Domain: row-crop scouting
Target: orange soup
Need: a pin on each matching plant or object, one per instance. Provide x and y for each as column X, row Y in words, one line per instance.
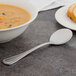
column 12, row 16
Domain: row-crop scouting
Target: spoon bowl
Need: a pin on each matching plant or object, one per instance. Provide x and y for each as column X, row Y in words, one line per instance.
column 61, row 36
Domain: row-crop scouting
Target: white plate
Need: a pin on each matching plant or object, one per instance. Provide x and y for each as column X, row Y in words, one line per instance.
column 63, row 19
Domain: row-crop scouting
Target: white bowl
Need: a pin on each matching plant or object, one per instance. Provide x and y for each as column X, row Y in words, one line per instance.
column 11, row 33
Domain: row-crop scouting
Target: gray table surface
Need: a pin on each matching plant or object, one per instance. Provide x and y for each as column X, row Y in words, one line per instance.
column 46, row 61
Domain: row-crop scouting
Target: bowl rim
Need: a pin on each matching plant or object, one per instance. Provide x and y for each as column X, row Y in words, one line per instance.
column 31, row 20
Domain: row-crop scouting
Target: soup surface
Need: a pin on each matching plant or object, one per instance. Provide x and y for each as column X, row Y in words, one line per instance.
column 12, row 16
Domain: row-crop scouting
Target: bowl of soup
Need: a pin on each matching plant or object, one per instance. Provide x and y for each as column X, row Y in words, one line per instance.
column 15, row 17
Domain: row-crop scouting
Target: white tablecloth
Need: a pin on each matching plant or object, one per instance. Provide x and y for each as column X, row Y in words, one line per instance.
column 59, row 3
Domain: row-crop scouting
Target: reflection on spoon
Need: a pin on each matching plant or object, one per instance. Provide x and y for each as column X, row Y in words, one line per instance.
column 59, row 37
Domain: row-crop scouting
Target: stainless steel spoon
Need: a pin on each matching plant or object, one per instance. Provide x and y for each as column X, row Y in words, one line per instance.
column 59, row 37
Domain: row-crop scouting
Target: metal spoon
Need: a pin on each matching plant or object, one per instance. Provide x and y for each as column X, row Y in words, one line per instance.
column 59, row 37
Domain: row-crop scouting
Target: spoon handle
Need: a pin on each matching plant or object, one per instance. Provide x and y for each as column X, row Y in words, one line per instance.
column 14, row 59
